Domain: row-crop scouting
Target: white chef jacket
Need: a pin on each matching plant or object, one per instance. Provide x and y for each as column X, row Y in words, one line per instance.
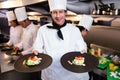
column 48, row 42
column 15, row 35
column 28, row 38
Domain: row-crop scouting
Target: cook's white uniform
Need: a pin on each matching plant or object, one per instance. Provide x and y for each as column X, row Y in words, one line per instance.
column 28, row 38
column 48, row 42
column 15, row 35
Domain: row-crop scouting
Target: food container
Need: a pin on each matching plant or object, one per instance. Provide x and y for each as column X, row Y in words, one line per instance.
column 115, row 57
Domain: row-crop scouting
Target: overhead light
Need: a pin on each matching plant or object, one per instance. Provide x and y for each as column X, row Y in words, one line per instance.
column 2, row 0
column 71, row 13
column 11, row 3
column 33, row 13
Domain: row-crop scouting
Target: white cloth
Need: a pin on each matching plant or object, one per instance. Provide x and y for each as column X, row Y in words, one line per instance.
column 15, row 35
column 86, row 21
column 10, row 15
column 21, row 14
column 57, row 4
column 28, row 38
column 48, row 42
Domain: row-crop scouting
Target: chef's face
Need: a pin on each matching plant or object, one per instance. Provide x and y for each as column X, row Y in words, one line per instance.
column 84, row 32
column 23, row 23
column 58, row 16
column 12, row 23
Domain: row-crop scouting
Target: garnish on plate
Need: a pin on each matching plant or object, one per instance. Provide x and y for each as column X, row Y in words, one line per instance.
column 32, row 61
column 78, row 60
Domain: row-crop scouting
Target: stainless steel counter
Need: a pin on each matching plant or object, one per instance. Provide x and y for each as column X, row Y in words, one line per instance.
column 5, row 64
column 8, row 72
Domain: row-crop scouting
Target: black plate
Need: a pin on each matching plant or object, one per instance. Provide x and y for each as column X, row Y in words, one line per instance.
column 45, row 62
column 91, row 62
column 6, row 48
column 10, row 53
column 1, row 45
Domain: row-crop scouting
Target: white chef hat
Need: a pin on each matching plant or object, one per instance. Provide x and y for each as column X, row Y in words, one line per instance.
column 57, row 4
column 10, row 15
column 86, row 21
column 21, row 14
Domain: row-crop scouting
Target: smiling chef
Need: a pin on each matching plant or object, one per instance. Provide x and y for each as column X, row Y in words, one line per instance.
column 56, row 39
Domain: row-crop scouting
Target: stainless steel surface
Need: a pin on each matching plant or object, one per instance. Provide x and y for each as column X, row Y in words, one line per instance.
column 4, row 62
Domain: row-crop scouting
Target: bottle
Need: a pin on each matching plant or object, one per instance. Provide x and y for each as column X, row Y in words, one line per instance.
column 116, row 11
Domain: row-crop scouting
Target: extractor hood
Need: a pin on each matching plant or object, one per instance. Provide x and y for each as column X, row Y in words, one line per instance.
column 4, row 4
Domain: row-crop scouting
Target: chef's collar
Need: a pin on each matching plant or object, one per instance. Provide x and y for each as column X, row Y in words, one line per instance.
column 58, row 27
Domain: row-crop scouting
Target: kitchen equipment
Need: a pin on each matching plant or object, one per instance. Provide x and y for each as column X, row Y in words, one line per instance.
column 115, row 57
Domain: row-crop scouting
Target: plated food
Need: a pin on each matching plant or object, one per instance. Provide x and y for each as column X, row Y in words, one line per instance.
column 13, row 53
column 32, row 63
column 78, row 60
column 6, row 48
column 79, row 63
column 1, row 45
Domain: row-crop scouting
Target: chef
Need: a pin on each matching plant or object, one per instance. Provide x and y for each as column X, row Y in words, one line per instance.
column 56, row 39
column 15, row 29
column 85, row 24
column 29, row 31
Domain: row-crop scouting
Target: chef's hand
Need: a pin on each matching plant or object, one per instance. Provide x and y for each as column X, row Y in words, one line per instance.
column 83, row 51
column 35, row 52
column 15, row 48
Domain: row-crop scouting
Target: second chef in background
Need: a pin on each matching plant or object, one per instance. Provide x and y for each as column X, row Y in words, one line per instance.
column 29, row 31
column 85, row 24
column 15, row 29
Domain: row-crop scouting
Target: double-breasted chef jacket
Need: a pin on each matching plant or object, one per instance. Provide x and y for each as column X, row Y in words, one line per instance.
column 15, row 35
column 48, row 42
column 28, row 38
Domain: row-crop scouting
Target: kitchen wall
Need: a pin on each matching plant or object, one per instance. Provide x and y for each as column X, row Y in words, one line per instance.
column 104, row 36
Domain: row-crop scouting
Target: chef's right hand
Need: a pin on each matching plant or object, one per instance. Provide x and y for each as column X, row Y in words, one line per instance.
column 15, row 48
column 35, row 52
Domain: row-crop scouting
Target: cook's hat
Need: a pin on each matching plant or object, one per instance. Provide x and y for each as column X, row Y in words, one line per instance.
column 10, row 15
column 86, row 21
column 57, row 4
column 21, row 14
